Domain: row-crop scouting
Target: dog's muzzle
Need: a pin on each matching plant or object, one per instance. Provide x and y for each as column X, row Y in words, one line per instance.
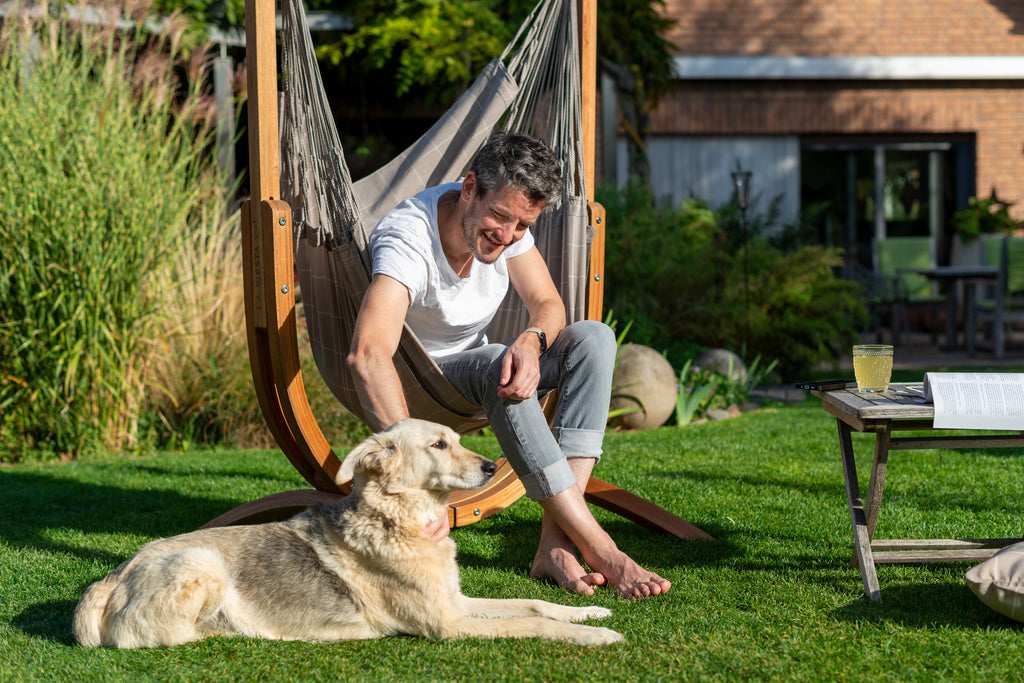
column 488, row 467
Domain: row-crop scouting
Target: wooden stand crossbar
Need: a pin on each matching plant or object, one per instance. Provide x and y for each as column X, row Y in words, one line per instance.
column 268, row 278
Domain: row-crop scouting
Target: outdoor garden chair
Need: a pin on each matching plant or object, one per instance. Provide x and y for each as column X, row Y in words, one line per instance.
column 1005, row 306
column 908, row 292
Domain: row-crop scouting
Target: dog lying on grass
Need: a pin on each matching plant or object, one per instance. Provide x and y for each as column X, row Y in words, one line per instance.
column 356, row 568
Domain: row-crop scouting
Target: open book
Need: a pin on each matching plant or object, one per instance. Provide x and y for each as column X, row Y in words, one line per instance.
column 976, row 400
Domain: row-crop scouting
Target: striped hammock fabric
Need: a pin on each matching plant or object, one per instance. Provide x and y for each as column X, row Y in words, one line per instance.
column 534, row 88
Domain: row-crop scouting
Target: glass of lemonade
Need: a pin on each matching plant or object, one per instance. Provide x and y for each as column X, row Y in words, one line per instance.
column 872, row 367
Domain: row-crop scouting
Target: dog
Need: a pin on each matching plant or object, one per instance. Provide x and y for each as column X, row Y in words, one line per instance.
column 356, row 568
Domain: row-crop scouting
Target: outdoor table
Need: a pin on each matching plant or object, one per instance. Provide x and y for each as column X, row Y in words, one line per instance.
column 881, row 415
column 948, row 277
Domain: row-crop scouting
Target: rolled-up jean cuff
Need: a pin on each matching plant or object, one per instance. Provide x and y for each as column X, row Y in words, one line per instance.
column 549, row 481
column 579, row 443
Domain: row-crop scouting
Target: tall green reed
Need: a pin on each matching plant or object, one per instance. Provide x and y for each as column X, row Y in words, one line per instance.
column 103, row 170
column 199, row 388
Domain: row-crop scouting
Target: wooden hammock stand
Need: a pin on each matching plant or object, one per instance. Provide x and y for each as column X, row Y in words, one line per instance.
column 268, row 278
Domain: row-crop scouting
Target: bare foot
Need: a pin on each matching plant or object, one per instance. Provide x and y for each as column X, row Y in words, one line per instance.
column 630, row 579
column 568, row 522
column 561, row 566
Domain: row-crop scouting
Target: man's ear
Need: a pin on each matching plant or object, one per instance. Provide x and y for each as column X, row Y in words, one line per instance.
column 469, row 186
column 376, row 455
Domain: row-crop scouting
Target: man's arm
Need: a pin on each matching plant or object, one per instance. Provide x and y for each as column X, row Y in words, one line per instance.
column 371, row 361
column 371, row 356
column 529, row 275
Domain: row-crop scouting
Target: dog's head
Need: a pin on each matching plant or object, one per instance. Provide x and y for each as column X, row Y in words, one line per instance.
column 416, row 454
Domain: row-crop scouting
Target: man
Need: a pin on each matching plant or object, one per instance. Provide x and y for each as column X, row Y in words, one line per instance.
column 442, row 261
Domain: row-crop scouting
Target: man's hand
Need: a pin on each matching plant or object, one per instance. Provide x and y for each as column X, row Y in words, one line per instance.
column 520, row 368
column 438, row 529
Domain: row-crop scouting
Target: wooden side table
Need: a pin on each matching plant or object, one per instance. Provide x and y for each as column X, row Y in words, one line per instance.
column 881, row 415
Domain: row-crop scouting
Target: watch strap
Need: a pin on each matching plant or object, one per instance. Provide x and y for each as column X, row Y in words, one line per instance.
column 543, row 337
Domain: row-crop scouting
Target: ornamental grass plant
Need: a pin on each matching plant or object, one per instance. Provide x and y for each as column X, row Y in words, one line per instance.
column 121, row 306
column 103, row 156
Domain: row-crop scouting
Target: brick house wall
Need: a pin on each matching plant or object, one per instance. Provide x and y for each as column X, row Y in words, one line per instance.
column 991, row 110
column 844, row 28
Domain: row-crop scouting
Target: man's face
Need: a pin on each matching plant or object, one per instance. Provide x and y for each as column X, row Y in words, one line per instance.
column 496, row 220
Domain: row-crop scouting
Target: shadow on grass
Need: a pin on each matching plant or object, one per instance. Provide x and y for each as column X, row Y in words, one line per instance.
column 926, row 606
column 48, row 621
column 36, row 508
column 513, row 542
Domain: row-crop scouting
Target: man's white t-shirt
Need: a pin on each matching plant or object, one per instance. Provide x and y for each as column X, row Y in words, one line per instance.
column 447, row 313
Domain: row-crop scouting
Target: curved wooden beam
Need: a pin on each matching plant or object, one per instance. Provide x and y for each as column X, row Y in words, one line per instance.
column 268, row 278
column 272, row 508
column 641, row 511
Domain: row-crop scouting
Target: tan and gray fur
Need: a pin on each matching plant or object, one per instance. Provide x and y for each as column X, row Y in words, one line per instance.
column 357, row 568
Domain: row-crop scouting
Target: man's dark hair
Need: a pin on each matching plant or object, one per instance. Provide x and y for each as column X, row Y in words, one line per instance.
column 512, row 159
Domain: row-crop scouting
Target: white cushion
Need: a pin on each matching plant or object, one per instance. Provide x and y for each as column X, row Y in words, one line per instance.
column 999, row 581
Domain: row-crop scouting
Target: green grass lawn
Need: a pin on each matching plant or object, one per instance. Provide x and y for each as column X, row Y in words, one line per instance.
column 772, row 598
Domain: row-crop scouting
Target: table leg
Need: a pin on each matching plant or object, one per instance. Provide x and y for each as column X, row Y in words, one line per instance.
column 969, row 330
column 951, row 307
column 873, row 500
column 861, row 534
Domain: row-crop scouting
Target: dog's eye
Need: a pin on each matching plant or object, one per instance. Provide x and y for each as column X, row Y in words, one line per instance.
column 440, row 445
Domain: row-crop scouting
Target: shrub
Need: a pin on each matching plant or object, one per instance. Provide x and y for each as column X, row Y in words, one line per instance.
column 200, row 388
column 104, row 171
column 701, row 389
column 686, row 280
column 121, row 305
column 983, row 215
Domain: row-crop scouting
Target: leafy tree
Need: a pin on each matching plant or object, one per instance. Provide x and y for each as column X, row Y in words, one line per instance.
column 429, row 49
column 418, row 56
column 633, row 48
column 205, row 12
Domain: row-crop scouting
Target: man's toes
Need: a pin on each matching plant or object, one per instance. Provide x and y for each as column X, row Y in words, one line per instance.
column 579, row 586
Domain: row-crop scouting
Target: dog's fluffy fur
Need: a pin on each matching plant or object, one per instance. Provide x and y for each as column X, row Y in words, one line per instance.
column 356, row 568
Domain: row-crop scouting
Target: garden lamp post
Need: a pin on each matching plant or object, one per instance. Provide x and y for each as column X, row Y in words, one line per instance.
column 741, row 194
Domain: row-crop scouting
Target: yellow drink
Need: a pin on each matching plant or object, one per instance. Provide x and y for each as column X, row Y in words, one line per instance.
column 872, row 367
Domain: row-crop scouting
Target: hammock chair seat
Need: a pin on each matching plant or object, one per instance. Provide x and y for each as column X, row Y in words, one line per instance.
column 317, row 226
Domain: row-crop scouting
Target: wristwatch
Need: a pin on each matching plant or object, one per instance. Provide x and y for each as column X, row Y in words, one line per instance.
column 543, row 337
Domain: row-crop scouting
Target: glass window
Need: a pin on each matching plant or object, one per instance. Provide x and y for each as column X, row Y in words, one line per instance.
column 855, row 192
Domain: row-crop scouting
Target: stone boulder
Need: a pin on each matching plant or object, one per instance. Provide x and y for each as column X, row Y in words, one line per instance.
column 643, row 379
column 718, row 360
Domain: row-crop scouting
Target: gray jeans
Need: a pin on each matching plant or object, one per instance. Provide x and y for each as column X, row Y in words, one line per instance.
column 579, row 363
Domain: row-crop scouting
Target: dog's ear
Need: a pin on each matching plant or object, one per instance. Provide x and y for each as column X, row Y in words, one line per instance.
column 376, row 455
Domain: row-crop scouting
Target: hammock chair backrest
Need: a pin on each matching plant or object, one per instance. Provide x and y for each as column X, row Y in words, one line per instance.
column 534, row 88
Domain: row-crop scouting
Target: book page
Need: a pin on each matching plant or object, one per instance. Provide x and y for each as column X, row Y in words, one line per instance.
column 976, row 400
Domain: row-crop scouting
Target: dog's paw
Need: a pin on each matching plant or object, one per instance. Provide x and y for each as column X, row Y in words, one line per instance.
column 591, row 612
column 596, row 635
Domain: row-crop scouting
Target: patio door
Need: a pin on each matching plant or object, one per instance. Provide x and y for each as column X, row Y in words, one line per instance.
column 867, row 191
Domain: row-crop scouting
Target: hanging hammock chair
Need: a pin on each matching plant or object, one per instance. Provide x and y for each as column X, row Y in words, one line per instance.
column 319, row 224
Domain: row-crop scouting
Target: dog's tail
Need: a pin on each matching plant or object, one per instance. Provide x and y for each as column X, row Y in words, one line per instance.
column 90, row 611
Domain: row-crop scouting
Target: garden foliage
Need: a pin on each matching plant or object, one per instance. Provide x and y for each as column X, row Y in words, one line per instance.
column 686, row 280
column 121, row 318
column 983, row 215
column 701, row 389
column 102, row 155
